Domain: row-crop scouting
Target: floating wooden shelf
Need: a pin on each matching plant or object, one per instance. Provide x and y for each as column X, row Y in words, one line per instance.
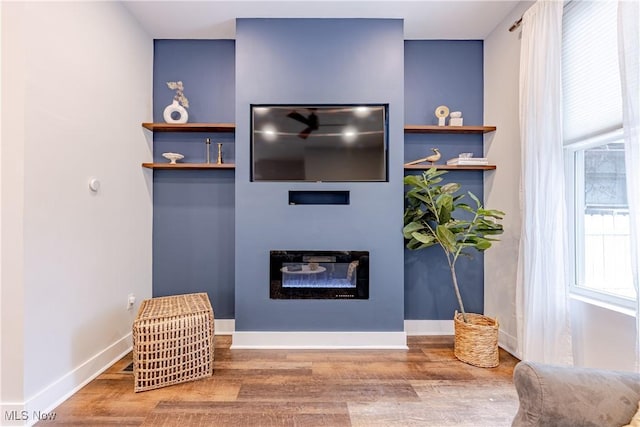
column 192, row 166
column 451, row 167
column 195, row 166
column 447, row 129
column 190, row 127
column 231, row 127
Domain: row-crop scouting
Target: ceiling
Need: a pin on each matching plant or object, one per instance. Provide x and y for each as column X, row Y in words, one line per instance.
column 423, row 19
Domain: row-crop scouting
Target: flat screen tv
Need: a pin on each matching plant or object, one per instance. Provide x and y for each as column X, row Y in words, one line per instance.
column 319, row 143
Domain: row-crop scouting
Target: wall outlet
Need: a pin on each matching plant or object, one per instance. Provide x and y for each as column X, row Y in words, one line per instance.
column 131, row 300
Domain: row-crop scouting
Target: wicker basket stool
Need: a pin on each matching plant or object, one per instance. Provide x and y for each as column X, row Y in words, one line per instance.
column 172, row 341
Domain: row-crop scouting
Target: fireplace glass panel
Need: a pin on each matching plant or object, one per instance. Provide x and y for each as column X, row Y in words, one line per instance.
column 319, row 274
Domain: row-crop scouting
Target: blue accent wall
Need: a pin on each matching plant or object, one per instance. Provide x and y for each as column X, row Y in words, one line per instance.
column 441, row 72
column 320, row 61
column 207, row 70
column 308, row 61
column 193, row 211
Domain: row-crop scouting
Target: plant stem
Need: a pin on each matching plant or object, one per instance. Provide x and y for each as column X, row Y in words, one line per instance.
column 465, row 237
column 449, row 255
column 452, row 269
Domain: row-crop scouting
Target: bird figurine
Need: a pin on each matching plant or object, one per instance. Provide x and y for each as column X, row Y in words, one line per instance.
column 432, row 158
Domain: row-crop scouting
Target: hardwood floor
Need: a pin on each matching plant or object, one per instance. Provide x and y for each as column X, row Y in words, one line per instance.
column 422, row 386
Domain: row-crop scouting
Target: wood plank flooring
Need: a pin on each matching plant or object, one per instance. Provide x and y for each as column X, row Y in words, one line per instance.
column 422, row 386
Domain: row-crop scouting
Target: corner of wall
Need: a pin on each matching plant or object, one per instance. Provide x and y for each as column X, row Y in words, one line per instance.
column 502, row 186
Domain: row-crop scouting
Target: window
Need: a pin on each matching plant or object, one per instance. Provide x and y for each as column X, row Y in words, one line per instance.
column 594, row 154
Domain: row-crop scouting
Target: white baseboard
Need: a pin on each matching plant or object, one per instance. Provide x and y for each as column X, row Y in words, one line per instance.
column 224, row 326
column 378, row 340
column 428, row 327
column 319, row 340
column 57, row 392
column 411, row 328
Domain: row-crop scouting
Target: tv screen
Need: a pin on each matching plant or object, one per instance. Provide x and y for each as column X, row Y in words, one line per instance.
column 319, row 143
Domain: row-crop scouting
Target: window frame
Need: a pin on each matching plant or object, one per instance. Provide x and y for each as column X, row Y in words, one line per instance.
column 574, row 193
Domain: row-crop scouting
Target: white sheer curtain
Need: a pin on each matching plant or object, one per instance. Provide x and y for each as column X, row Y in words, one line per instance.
column 542, row 305
column 629, row 51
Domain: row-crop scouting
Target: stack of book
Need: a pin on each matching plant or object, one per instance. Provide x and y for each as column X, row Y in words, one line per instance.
column 468, row 161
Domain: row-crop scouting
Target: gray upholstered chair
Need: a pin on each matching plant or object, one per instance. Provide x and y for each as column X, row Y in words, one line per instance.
column 572, row 397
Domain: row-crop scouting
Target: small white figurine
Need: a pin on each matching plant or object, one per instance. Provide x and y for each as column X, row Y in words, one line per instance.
column 172, row 157
column 175, row 107
column 432, row 158
column 456, row 118
column 441, row 113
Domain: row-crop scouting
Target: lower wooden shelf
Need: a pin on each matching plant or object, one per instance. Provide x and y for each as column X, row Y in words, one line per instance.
column 201, row 166
column 192, row 166
column 451, row 167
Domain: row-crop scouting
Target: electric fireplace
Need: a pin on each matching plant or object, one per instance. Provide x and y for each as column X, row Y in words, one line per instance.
column 319, row 274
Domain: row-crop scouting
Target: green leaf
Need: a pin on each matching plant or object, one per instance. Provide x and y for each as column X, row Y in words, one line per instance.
column 444, row 204
column 433, row 173
column 482, row 244
column 422, row 198
column 412, row 180
column 492, row 232
column 444, row 200
column 492, row 213
column 410, row 228
column 458, row 197
column 424, row 238
column 450, row 188
column 465, row 207
column 475, row 199
column 458, row 227
column 446, row 238
column 413, row 245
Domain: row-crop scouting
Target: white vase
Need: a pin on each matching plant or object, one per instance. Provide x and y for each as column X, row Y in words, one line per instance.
column 175, row 107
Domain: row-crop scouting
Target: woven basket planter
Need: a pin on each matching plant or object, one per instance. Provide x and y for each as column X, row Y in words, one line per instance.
column 476, row 342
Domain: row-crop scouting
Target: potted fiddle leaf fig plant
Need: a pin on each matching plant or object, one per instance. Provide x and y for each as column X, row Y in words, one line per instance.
column 431, row 218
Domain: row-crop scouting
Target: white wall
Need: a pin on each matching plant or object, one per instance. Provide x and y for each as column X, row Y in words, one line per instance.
column 11, row 212
column 85, row 88
column 602, row 338
column 502, row 187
